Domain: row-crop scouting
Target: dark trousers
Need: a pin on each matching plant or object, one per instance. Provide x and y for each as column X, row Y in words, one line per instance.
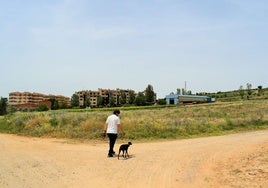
column 112, row 138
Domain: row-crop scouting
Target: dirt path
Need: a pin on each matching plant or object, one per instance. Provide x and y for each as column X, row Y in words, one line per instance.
column 237, row 160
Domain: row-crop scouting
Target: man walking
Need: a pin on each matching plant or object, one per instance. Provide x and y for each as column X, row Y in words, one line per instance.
column 111, row 127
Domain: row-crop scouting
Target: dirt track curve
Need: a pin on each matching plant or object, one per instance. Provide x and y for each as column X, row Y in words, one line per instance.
column 237, row 160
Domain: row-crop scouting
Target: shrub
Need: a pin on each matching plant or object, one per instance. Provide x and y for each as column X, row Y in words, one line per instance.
column 42, row 107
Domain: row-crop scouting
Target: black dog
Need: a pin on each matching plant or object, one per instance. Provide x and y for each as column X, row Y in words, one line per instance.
column 124, row 148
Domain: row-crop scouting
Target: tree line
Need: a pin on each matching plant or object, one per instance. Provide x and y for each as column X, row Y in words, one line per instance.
column 147, row 97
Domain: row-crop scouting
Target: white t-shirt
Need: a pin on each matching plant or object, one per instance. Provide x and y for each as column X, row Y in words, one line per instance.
column 113, row 121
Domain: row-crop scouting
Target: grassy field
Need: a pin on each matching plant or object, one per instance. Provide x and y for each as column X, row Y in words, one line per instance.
column 150, row 123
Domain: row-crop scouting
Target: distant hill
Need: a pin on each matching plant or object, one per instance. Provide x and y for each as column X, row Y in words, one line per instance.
column 252, row 94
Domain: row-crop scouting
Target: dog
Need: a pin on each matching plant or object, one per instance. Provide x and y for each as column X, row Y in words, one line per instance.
column 124, row 149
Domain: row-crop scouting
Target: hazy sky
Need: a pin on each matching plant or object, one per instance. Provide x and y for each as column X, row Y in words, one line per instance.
column 62, row 46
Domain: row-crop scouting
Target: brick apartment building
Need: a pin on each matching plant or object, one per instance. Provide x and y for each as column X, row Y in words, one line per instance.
column 28, row 100
column 105, row 94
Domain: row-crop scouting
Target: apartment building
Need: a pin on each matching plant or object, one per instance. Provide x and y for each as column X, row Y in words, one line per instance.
column 93, row 97
column 104, row 94
column 27, row 99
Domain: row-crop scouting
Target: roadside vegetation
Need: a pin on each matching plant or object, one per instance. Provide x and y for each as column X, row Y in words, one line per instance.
column 143, row 123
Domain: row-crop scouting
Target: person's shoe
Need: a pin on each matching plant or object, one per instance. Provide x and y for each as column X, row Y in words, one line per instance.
column 109, row 155
column 113, row 153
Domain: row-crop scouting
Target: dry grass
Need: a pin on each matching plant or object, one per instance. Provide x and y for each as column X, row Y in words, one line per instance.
column 147, row 123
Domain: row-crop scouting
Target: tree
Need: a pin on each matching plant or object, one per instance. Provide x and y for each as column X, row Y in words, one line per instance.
column 259, row 90
column 131, row 98
column 86, row 100
column 249, row 92
column 178, row 91
column 111, row 101
column 183, row 91
column 100, row 101
column 3, row 106
column 123, row 98
column 75, row 100
column 42, row 107
column 161, row 101
column 189, row 92
column 241, row 92
column 149, row 94
column 140, row 99
column 54, row 104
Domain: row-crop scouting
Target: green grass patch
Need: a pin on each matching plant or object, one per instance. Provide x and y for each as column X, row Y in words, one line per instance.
column 139, row 123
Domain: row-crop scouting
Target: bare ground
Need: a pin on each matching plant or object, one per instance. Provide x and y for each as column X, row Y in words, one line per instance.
column 237, row 160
